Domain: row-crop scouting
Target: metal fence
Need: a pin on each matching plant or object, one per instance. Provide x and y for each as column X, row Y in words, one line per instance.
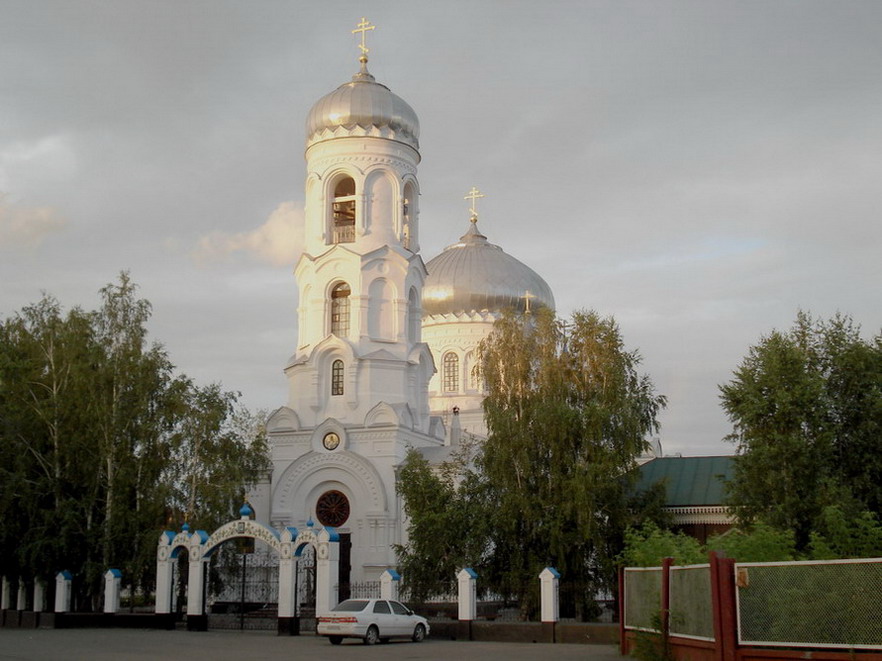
column 260, row 574
column 834, row 603
column 691, row 602
column 359, row 590
column 642, row 598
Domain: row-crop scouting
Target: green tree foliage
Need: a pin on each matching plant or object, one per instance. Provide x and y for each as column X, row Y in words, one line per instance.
column 93, row 425
column 446, row 517
column 807, row 412
column 567, row 415
column 648, row 545
column 842, row 535
column 760, row 543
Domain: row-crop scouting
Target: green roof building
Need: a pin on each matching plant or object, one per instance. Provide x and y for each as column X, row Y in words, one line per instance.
column 695, row 491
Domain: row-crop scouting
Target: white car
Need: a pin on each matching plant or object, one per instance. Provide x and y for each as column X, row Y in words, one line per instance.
column 371, row 620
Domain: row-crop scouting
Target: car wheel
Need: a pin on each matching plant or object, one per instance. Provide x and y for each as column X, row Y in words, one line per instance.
column 372, row 635
column 335, row 640
column 419, row 633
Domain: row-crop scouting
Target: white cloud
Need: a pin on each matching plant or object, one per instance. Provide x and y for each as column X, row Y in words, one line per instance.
column 278, row 241
column 26, row 227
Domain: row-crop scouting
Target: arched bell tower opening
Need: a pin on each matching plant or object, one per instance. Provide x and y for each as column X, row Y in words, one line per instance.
column 409, row 238
column 343, row 211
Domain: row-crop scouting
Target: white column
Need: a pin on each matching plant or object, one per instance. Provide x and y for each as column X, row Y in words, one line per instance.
column 287, row 568
column 112, row 584
column 62, row 591
column 390, row 580
column 549, row 581
column 164, row 572
column 39, row 595
column 327, row 572
column 22, row 601
column 468, row 594
column 6, row 596
column 194, row 583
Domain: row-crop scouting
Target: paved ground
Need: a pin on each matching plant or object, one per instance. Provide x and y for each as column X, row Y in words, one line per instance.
column 106, row 644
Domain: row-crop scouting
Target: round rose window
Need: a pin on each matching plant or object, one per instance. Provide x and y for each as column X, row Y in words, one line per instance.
column 332, row 509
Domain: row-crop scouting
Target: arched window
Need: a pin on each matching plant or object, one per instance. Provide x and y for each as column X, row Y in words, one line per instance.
column 340, row 309
column 413, row 316
column 450, row 372
column 337, row 377
column 344, row 211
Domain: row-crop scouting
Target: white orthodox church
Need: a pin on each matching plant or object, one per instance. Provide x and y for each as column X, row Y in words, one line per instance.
column 386, row 342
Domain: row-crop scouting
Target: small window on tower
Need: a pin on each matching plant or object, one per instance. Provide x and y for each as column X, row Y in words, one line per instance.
column 344, row 211
column 337, row 377
column 340, row 309
column 450, row 372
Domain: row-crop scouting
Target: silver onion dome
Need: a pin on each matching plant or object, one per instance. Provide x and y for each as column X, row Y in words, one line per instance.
column 364, row 104
column 476, row 275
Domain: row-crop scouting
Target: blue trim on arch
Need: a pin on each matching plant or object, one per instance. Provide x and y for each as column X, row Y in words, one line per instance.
column 202, row 535
column 471, row 572
column 66, row 575
column 334, row 537
column 169, row 535
column 116, row 573
column 554, row 572
column 394, row 574
column 293, row 531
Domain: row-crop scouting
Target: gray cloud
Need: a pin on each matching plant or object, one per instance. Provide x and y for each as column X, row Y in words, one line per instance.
column 699, row 170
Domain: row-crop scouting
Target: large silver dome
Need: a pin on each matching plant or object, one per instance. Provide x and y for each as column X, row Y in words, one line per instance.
column 366, row 104
column 475, row 275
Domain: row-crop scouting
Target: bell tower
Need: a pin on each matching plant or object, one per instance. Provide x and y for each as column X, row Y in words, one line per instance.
column 358, row 379
column 361, row 275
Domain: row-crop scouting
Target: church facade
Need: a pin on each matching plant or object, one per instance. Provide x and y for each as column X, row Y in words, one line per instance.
column 386, row 343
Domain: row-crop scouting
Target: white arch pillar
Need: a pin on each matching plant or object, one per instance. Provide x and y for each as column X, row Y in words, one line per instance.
column 327, row 571
column 326, row 542
column 165, row 559
column 287, row 596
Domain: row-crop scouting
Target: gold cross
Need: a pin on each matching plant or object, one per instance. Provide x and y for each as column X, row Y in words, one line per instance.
column 363, row 27
column 527, row 296
column 473, row 195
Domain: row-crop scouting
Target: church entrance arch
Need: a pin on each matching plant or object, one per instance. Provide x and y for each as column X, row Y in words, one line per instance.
column 289, row 545
column 242, row 580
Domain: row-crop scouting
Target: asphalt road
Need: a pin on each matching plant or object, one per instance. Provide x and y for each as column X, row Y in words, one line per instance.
column 107, row 644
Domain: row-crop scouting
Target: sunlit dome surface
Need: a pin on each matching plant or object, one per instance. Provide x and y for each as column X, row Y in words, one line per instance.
column 363, row 103
column 474, row 275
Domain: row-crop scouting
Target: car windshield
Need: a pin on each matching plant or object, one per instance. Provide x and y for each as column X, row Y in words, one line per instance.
column 350, row 606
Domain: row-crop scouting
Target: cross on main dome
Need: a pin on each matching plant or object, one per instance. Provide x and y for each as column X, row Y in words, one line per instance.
column 363, row 27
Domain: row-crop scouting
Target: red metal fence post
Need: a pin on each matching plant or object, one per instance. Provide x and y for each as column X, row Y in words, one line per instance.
column 666, row 600
column 716, row 604
column 623, row 641
column 725, row 610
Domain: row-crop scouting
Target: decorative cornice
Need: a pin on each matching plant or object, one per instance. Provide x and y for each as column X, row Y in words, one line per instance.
column 399, row 164
column 484, row 316
column 702, row 514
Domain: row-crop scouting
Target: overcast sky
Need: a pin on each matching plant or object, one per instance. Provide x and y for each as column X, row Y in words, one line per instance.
column 698, row 170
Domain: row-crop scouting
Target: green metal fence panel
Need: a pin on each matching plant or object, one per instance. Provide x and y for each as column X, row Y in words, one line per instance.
column 643, row 598
column 835, row 603
column 691, row 606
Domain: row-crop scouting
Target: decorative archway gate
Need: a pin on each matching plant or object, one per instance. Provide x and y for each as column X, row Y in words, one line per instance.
column 289, row 544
